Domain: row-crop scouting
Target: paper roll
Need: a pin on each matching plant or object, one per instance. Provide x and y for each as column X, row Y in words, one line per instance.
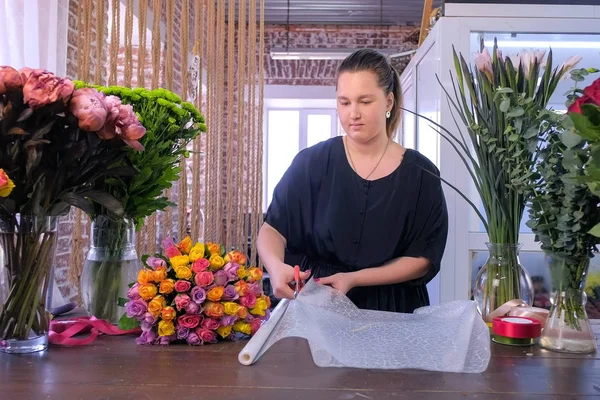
column 254, row 348
column 450, row 337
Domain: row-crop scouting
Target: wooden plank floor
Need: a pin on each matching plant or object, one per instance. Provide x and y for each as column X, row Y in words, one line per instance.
column 115, row 368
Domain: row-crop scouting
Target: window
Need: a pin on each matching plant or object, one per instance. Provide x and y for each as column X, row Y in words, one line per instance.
column 288, row 131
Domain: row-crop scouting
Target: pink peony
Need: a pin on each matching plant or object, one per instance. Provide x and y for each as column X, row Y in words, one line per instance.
column 200, row 265
column 43, row 87
column 87, row 105
column 10, row 79
column 182, row 286
column 122, row 122
column 189, row 321
column 182, row 301
column 204, row 279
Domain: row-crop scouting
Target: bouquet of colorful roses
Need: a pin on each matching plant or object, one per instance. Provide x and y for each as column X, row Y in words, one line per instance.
column 195, row 294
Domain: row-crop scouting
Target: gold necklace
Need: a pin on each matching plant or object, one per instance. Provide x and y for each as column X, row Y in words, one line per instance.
column 376, row 165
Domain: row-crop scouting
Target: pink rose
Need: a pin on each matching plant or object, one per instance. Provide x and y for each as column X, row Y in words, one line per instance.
column 133, row 293
column 182, row 301
column 172, row 252
column 200, row 265
column 249, row 300
column 155, row 262
column 182, row 286
column 189, row 321
column 210, row 323
column 255, row 289
column 231, row 270
column 204, row 279
column 255, row 325
column 10, row 79
column 87, row 105
column 206, row 335
column 43, row 88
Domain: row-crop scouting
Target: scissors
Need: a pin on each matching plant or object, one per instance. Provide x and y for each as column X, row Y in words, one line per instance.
column 297, row 280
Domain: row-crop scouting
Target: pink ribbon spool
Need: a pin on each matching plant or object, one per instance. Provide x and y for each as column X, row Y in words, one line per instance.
column 518, row 308
column 62, row 331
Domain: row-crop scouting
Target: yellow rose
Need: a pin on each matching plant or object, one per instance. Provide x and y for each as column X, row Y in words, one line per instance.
column 183, row 273
column 231, row 308
column 6, row 185
column 215, row 293
column 144, row 276
column 241, row 272
column 179, row 261
column 243, row 327
column 185, row 245
column 168, row 314
column 159, row 275
column 197, row 252
column 242, row 312
column 260, row 307
column 214, row 248
column 147, row 291
column 166, row 286
column 216, row 261
column 166, row 328
column 224, row 331
column 156, row 305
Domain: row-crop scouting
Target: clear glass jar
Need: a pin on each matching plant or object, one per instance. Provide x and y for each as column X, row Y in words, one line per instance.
column 568, row 328
column 27, row 250
column 111, row 264
column 502, row 279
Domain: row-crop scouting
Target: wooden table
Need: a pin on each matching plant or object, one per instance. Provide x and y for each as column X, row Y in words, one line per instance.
column 115, row 368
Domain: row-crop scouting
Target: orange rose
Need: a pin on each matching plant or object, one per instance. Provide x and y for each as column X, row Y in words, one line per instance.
column 242, row 288
column 166, row 286
column 144, row 276
column 236, row 257
column 147, row 291
column 6, row 185
column 160, row 274
column 156, row 305
column 254, row 274
column 168, row 314
column 185, row 245
column 215, row 293
column 214, row 310
column 242, row 312
column 214, row 248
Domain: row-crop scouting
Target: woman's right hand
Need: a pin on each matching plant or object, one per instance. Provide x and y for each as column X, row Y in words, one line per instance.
column 282, row 277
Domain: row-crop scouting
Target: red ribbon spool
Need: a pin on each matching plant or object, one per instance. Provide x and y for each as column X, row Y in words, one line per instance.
column 517, row 327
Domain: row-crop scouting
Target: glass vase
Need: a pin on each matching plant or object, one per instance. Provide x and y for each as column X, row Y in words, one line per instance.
column 27, row 251
column 568, row 328
column 111, row 265
column 501, row 279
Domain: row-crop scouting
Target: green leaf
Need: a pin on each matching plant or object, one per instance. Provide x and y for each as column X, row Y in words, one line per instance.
column 516, row 112
column 106, row 200
column 78, row 201
column 513, row 138
column 121, row 302
column 584, row 127
column 595, row 231
column 505, row 105
column 126, row 323
column 570, row 138
column 504, row 90
column 531, row 132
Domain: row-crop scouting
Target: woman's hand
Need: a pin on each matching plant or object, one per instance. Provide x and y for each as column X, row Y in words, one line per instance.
column 281, row 276
column 343, row 281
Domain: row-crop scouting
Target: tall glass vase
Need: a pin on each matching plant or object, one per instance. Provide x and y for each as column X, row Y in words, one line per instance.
column 568, row 328
column 27, row 250
column 111, row 265
column 502, row 279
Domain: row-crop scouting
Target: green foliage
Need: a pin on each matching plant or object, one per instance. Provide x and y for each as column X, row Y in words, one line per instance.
column 171, row 125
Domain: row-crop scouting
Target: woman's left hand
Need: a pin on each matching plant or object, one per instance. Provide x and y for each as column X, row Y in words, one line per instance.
column 343, row 281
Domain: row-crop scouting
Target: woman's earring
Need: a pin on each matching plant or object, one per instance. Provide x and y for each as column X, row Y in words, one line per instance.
column 388, row 114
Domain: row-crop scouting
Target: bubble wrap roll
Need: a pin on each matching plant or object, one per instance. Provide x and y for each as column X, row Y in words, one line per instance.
column 451, row 337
